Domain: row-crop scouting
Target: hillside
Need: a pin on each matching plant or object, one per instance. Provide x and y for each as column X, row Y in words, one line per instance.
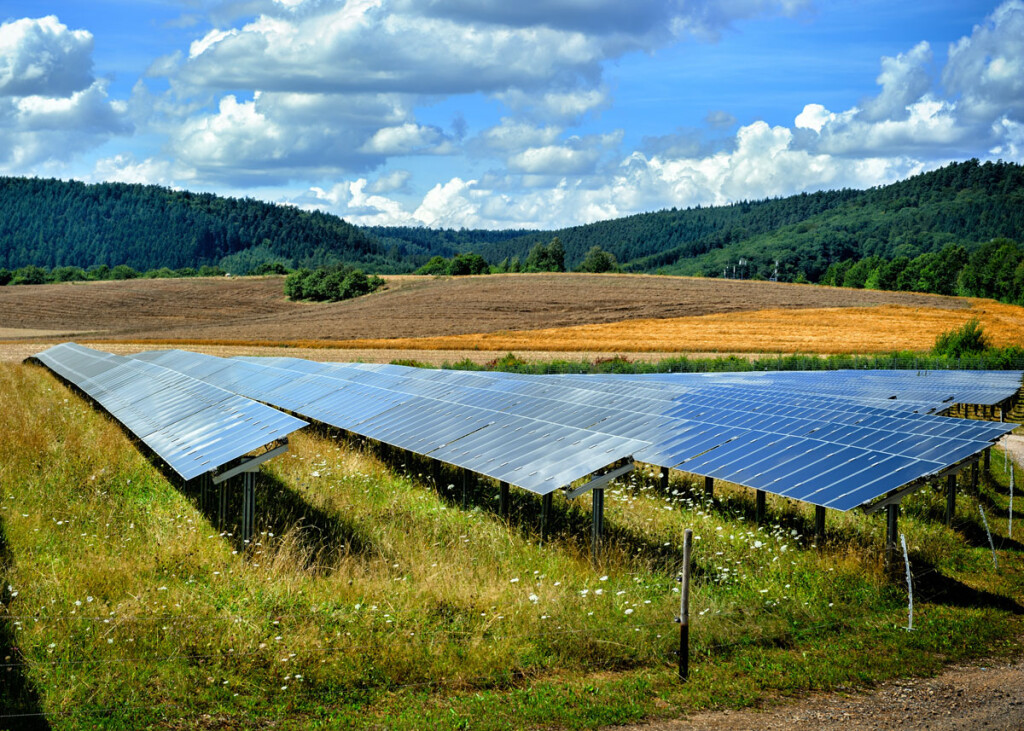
column 52, row 223
column 965, row 203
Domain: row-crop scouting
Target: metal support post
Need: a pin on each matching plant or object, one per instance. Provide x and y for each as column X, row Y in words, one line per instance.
column 597, row 524
column 892, row 513
column 545, row 517
column 465, row 486
column 248, row 506
column 503, row 506
column 664, row 479
column 950, row 499
column 709, row 487
column 204, row 492
column 435, row 471
column 222, row 507
column 819, row 525
column 974, row 477
column 988, row 458
column 759, row 506
column 684, row 608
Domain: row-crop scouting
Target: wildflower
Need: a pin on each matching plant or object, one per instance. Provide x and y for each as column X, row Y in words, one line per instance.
column 534, row 598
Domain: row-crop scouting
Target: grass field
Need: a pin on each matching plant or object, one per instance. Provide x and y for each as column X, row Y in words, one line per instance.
column 371, row 598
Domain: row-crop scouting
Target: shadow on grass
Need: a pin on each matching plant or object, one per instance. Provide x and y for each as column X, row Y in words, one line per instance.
column 20, row 706
column 931, row 586
column 322, row 536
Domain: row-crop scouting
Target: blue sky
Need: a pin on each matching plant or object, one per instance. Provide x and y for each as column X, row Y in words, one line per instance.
column 497, row 114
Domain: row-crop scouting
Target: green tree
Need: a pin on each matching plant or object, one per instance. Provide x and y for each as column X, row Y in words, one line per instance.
column 965, row 340
column 597, row 261
column 123, row 271
column 468, row 263
column 437, row 266
column 29, row 275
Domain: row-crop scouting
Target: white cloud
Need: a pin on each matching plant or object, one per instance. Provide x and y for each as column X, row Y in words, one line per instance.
column 987, row 68
column 554, row 160
column 407, row 139
column 512, row 135
column 814, row 116
column 904, row 80
column 390, row 182
column 41, row 57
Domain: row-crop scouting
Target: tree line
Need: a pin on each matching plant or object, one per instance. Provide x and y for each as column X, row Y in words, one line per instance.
column 994, row 270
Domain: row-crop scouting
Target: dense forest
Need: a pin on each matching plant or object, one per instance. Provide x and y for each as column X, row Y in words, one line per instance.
column 901, row 230
column 52, row 223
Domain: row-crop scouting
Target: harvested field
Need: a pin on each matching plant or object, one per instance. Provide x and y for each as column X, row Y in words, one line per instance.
column 253, row 310
column 827, row 331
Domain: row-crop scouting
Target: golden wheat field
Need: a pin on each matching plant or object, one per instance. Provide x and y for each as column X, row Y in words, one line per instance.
column 828, row 330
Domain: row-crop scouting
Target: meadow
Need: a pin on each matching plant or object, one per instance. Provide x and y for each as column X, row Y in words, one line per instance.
column 372, row 598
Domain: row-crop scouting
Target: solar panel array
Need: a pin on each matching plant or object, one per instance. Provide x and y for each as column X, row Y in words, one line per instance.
column 925, row 391
column 191, row 425
column 532, row 453
column 836, row 451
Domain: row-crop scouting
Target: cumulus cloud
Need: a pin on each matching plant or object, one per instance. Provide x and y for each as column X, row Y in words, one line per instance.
column 42, row 57
column 987, row 68
column 904, row 80
column 51, row 107
column 407, row 139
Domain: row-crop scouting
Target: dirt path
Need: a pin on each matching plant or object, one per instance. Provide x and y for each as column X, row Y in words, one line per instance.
column 989, row 695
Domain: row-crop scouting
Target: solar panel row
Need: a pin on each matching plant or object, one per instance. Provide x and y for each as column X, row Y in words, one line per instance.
column 538, row 455
column 191, row 425
column 838, row 452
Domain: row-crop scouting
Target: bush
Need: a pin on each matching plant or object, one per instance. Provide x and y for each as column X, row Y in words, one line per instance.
column 968, row 339
column 468, row 263
column 329, row 284
column 5, row 277
column 598, row 261
column 29, row 275
column 437, row 266
column 123, row 271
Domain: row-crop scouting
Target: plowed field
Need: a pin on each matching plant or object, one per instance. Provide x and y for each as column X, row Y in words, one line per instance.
column 563, row 313
column 255, row 308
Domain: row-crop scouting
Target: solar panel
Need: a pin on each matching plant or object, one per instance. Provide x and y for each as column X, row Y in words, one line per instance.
column 191, row 425
column 709, row 427
column 833, row 451
column 536, row 454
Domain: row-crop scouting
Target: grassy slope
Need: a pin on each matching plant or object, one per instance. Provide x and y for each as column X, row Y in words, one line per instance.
column 123, row 607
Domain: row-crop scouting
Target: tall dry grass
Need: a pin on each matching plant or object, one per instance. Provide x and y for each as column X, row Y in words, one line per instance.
column 370, row 597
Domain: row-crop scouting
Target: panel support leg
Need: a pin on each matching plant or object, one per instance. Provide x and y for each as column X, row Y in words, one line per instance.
column 988, row 458
column 435, row 472
column 597, row 524
column 503, row 506
column 709, row 487
column 663, row 479
column 974, row 478
column 892, row 513
column 204, row 492
column 759, row 506
column 819, row 525
column 465, row 486
column 248, row 506
column 222, row 507
column 545, row 517
column 950, row 499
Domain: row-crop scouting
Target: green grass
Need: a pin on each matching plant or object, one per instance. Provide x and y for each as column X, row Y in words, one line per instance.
column 371, row 598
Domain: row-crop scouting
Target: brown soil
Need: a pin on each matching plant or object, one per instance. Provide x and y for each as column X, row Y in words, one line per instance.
column 989, row 695
column 255, row 310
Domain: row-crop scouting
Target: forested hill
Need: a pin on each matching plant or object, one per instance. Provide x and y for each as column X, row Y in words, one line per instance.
column 964, row 203
column 51, row 223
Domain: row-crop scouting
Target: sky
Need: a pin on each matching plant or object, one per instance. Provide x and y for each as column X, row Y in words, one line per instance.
column 506, row 113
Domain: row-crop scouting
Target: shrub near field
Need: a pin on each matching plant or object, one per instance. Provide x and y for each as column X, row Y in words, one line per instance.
column 371, row 598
